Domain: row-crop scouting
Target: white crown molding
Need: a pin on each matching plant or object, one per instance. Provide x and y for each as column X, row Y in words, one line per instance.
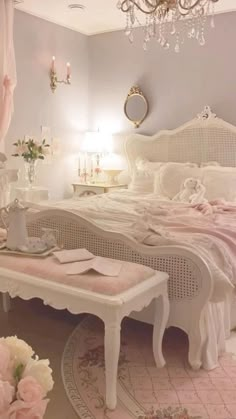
column 116, row 28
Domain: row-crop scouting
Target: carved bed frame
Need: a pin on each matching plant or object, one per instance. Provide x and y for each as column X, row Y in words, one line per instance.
column 206, row 138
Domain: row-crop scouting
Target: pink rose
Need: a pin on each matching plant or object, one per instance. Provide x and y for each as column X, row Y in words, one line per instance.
column 4, row 360
column 6, row 396
column 29, row 390
column 22, row 410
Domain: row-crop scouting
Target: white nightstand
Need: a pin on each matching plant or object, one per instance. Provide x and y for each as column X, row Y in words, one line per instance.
column 88, row 189
column 34, row 194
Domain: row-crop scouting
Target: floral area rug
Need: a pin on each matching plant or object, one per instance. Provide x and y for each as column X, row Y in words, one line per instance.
column 145, row 392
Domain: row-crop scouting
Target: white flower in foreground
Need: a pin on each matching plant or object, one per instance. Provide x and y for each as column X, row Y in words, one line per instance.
column 20, row 351
column 40, row 370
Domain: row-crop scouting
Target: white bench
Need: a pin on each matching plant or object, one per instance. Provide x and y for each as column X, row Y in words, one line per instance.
column 110, row 298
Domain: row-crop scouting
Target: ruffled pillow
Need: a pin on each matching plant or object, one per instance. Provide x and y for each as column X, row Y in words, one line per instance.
column 147, row 166
column 142, row 182
column 143, row 176
column 220, row 183
column 169, row 179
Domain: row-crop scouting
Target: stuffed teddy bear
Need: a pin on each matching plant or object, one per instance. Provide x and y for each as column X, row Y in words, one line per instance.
column 192, row 191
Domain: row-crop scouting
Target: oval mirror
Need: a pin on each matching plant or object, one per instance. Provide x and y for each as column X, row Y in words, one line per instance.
column 136, row 106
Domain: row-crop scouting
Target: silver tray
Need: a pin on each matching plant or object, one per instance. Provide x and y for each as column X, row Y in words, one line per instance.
column 48, row 252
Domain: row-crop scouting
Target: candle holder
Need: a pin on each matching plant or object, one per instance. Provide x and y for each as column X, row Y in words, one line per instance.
column 53, row 76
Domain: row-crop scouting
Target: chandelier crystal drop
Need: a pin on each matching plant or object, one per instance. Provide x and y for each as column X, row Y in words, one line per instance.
column 163, row 19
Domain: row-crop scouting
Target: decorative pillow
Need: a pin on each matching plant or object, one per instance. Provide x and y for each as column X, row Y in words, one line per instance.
column 142, row 181
column 171, row 176
column 143, row 177
column 220, row 182
column 146, row 165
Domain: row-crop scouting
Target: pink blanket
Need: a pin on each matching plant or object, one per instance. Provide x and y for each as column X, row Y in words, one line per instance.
column 209, row 229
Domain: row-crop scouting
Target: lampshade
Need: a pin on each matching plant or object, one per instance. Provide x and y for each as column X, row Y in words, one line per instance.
column 113, row 162
column 97, row 142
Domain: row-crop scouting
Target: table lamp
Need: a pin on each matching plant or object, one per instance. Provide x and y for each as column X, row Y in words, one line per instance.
column 95, row 145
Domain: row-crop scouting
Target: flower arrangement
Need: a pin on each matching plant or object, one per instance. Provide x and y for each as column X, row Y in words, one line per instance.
column 31, row 150
column 24, row 381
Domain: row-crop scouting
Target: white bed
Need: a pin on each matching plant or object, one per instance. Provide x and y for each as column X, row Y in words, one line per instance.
column 206, row 323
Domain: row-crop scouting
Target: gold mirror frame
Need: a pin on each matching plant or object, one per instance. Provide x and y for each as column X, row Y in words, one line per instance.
column 136, row 91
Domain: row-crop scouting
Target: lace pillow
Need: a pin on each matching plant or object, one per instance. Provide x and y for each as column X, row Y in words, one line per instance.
column 170, row 177
column 143, row 177
column 220, row 182
column 146, row 165
column 142, row 181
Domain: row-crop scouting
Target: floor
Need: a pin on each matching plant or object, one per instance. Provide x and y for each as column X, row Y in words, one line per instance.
column 46, row 330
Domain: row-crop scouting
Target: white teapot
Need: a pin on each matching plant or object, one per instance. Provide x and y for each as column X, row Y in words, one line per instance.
column 17, row 236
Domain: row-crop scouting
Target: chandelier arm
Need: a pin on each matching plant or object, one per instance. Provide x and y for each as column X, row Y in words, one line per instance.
column 188, row 8
column 126, row 8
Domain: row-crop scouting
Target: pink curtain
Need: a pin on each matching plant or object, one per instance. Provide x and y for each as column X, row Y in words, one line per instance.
column 7, row 65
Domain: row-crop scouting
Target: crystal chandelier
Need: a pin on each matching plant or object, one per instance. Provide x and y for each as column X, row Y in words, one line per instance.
column 161, row 19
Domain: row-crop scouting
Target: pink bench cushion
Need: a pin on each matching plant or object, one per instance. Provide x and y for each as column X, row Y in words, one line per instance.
column 130, row 275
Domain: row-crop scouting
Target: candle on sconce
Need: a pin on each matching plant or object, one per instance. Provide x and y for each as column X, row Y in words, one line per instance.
column 53, row 64
column 68, row 69
column 79, row 168
column 91, row 167
column 85, row 168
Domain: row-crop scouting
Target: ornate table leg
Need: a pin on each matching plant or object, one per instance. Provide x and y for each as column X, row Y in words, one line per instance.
column 196, row 339
column 112, row 352
column 162, row 309
column 6, row 302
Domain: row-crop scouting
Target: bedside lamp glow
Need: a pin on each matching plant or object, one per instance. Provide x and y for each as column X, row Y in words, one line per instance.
column 113, row 165
column 96, row 144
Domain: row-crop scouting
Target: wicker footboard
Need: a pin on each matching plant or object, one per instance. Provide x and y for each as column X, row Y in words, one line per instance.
column 190, row 280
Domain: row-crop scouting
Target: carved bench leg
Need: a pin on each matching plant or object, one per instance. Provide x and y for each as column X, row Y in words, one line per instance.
column 162, row 309
column 6, row 302
column 112, row 352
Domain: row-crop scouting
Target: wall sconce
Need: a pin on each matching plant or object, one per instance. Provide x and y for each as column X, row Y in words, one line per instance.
column 53, row 76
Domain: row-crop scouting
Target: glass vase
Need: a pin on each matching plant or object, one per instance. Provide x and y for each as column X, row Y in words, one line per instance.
column 30, row 172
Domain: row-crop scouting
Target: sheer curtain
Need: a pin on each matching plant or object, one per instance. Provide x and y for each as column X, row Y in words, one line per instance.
column 7, row 65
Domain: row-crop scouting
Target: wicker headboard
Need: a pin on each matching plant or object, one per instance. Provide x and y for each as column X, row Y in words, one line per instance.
column 205, row 138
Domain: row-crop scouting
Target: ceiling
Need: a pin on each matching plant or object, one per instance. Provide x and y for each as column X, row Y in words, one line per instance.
column 97, row 17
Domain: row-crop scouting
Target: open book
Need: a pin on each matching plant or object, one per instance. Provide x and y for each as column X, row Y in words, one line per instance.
column 103, row 266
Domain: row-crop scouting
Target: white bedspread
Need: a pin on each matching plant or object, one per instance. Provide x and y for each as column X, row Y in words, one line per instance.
column 155, row 221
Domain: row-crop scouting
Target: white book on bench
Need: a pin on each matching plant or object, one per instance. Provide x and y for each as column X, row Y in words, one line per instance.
column 103, row 266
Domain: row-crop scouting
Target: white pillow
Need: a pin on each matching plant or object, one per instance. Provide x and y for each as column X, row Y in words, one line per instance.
column 143, row 177
column 146, row 165
column 170, row 177
column 220, row 182
column 142, row 181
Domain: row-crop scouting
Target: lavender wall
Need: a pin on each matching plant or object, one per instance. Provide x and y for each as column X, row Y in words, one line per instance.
column 177, row 85
column 65, row 111
column 104, row 67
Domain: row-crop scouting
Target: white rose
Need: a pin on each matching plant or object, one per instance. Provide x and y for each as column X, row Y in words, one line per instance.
column 20, row 351
column 40, row 370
